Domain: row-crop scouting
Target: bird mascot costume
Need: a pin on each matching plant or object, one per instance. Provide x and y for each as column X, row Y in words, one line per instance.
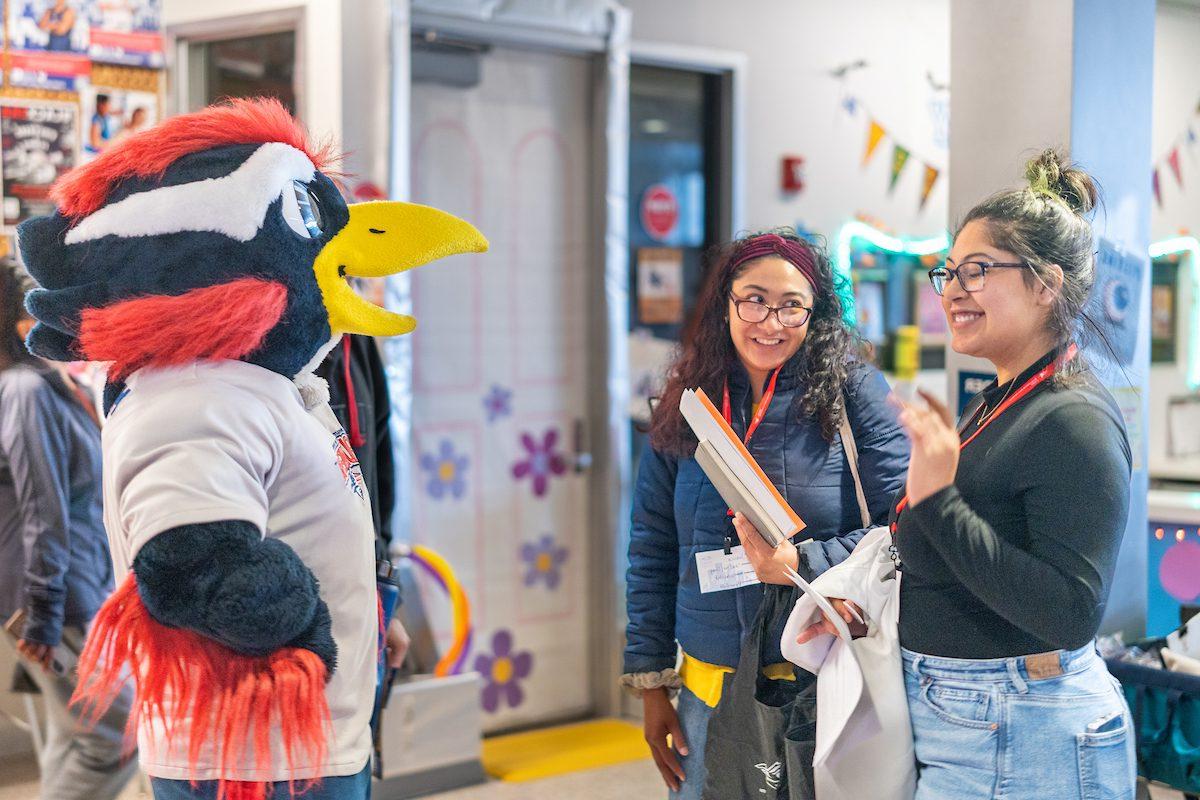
column 206, row 260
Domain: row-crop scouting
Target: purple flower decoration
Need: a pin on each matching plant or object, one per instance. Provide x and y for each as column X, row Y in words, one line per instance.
column 542, row 461
column 502, row 670
column 446, row 472
column 544, row 559
column 498, row 403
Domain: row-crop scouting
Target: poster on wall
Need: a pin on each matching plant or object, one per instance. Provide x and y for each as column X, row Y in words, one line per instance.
column 109, row 115
column 1162, row 312
column 930, row 316
column 868, row 306
column 660, row 285
column 1183, row 426
column 1116, row 297
column 1129, row 402
column 39, row 144
column 971, row 383
column 649, row 360
column 126, row 32
column 48, row 44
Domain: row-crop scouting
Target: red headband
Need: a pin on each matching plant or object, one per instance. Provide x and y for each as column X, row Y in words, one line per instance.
column 771, row 244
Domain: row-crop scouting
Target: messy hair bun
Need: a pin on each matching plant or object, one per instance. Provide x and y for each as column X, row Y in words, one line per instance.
column 1051, row 174
column 1044, row 225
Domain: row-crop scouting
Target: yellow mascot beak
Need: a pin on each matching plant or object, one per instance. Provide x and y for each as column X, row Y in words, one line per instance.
column 384, row 238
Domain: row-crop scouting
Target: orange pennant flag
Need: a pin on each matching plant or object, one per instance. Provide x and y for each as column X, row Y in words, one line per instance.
column 874, row 135
column 931, row 176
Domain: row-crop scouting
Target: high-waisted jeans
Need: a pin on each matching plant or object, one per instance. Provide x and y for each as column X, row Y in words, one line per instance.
column 987, row 729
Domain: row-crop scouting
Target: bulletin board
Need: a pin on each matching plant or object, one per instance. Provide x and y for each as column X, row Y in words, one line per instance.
column 76, row 78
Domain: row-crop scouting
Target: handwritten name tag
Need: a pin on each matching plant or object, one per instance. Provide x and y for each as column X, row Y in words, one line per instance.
column 720, row 572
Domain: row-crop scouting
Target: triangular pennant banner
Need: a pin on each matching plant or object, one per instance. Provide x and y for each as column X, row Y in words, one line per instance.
column 1173, row 160
column 1191, row 135
column 874, row 134
column 1157, row 187
column 899, row 159
column 931, row 176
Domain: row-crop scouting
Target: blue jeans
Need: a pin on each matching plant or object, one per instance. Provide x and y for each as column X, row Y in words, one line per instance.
column 693, row 718
column 348, row 787
column 986, row 729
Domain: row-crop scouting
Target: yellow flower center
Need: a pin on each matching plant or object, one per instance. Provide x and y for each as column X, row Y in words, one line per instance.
column 502, row 670
column 446, row 471
column 544, row 562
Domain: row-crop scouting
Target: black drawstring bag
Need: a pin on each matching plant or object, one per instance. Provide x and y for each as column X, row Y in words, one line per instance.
column 762, row 734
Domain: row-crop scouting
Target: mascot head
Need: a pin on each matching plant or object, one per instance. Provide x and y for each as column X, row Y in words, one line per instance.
column 217, row 235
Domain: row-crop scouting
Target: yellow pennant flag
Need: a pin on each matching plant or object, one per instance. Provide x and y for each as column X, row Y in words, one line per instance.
column 931, row 176
column 874, row 135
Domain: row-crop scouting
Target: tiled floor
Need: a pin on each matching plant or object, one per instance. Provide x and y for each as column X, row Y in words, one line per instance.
column 634, row 781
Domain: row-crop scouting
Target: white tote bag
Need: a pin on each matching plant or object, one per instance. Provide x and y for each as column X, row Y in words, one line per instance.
column 864, row 738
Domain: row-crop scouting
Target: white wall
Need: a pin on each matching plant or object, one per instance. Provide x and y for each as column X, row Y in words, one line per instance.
column 794, row 105
column 1176, row 93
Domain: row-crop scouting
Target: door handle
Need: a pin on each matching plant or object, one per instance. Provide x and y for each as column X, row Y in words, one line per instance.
column 583, row 458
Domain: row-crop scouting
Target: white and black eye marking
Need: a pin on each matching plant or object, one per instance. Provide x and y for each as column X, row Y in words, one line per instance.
column 302, row 210
column 1117, row 301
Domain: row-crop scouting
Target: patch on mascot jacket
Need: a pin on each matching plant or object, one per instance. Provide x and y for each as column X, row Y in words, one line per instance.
column 348, row 462
column 112, row 409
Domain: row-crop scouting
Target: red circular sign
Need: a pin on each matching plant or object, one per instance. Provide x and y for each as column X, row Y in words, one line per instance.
column 660, row 212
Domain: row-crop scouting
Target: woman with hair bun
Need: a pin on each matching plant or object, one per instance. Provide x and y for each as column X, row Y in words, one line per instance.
column 1009, row 530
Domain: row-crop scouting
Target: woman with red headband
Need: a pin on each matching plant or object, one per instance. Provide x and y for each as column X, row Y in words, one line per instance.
column 767, row 337
column 1010, row 526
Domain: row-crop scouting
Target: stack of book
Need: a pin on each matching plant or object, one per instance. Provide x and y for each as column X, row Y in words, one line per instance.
column 735, row 473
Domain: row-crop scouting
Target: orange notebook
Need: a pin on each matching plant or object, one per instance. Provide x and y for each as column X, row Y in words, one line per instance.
column 735, row 473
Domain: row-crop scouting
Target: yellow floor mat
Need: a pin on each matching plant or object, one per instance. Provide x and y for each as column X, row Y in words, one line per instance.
column 543, row 753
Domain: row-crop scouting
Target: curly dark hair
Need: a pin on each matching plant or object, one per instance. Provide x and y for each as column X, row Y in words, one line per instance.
column 707, row 353
column 13, row 286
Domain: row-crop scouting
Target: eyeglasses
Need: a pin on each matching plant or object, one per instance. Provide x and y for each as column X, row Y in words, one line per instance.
column 754, row 312
column 971, row 274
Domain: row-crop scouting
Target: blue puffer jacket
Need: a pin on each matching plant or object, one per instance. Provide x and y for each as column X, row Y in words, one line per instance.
column 678, row 513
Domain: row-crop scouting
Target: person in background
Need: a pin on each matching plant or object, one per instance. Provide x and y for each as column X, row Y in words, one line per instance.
column 58, row 20
column 138, row 121
column 768, row 336
column 358, row 395
column 100, row 127
column 54, row 560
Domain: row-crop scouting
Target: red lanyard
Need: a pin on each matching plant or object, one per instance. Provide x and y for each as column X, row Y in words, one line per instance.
column 727, row 408
column 1042, row 375
column 727, row 412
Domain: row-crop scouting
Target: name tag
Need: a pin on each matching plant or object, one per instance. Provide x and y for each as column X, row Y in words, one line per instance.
column 720, row 572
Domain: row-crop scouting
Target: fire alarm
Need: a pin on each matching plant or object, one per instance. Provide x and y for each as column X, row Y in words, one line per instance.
column 792, row 174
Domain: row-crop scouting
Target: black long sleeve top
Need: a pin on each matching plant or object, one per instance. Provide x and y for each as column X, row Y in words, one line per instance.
column 1017, row 556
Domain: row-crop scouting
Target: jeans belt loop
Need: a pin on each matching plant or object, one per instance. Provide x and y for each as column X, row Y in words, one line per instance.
column 1014, row 674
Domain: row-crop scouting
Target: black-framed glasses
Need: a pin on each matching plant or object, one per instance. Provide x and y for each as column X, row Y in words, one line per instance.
column 972, row 275
column 753, row 311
